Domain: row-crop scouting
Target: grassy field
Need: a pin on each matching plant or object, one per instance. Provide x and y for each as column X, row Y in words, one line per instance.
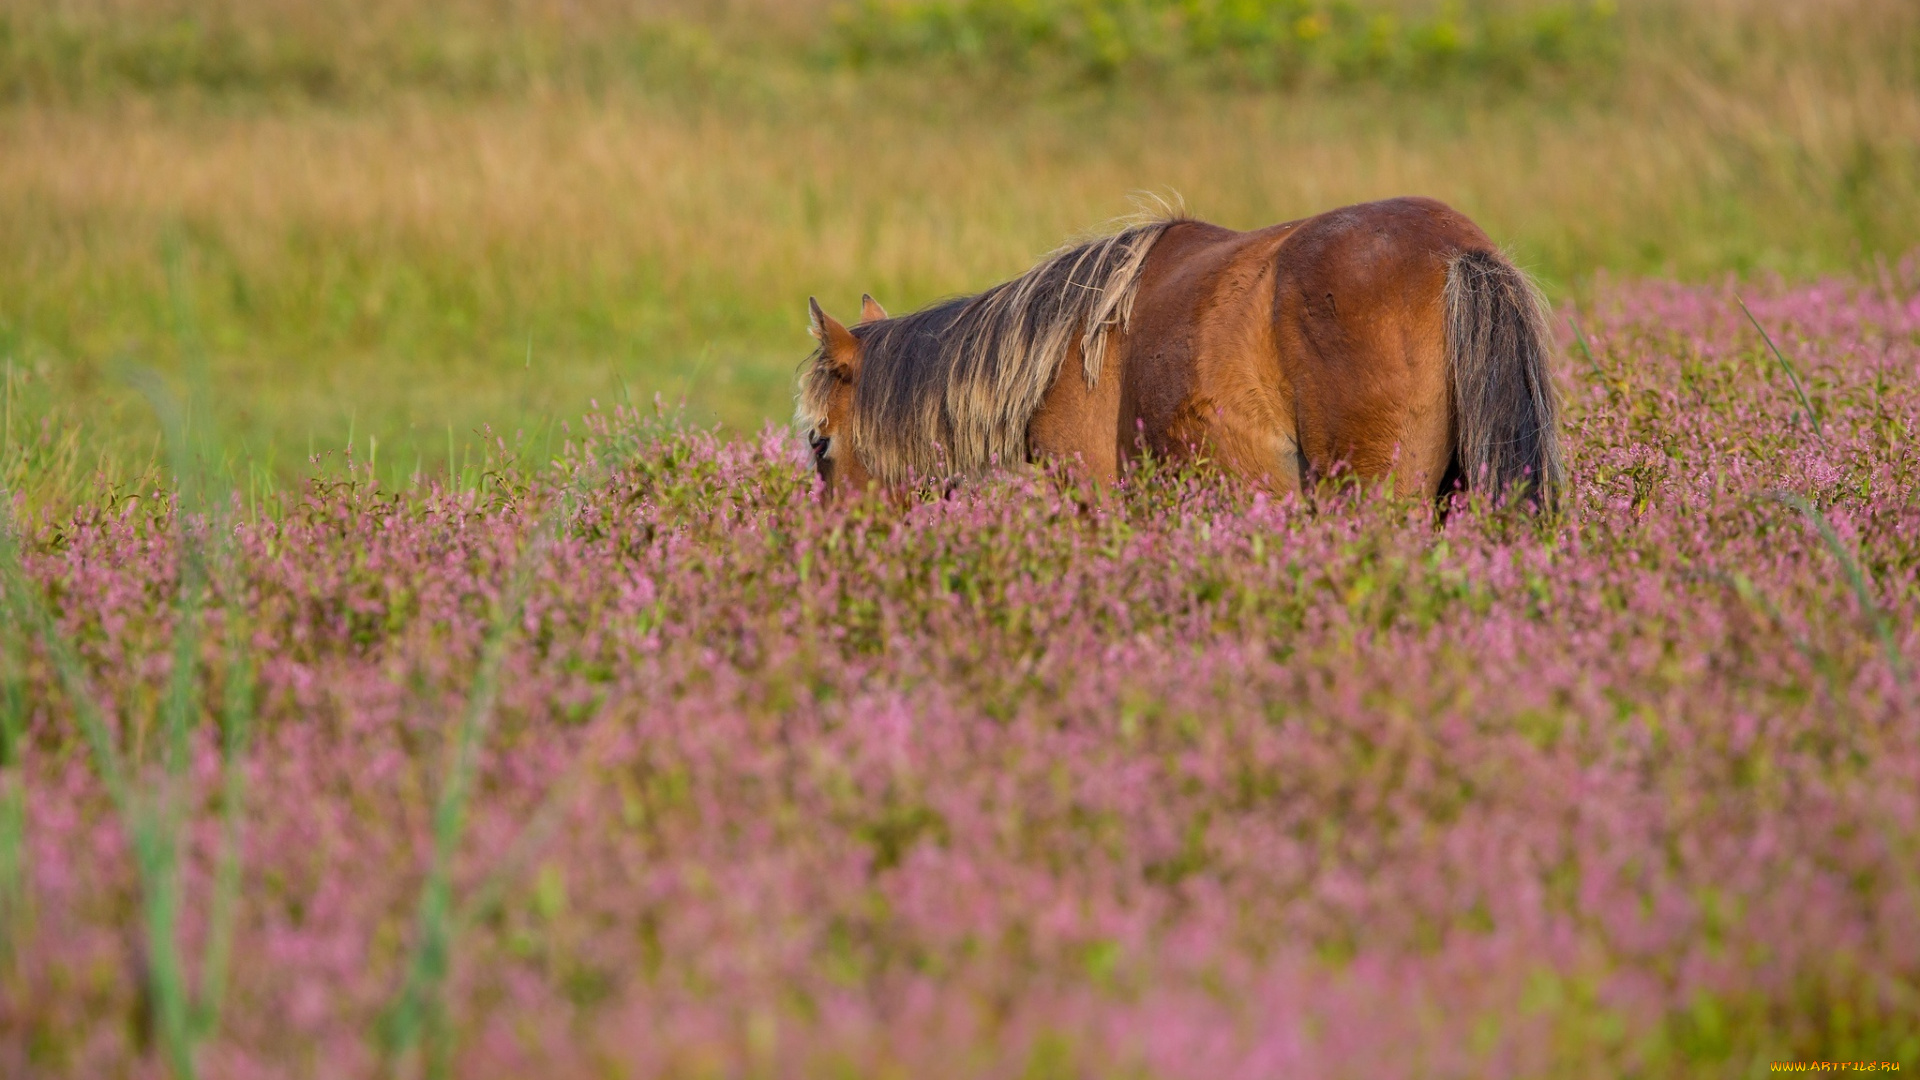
column 608, row 749
column 646, row 763
column 388, row 229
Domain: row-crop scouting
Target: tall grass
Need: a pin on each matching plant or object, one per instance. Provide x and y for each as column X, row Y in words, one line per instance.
column 417, row 1018
column 374, row 265
column 144, row 763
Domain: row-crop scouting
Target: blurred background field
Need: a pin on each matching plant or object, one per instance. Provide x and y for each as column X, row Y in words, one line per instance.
column 393, row 226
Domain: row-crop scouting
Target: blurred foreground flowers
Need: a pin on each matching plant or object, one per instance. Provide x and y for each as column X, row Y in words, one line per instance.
column 1178, row 781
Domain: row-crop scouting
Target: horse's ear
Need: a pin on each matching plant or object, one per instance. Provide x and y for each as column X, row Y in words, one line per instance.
column 870, row 309
column 836, row 341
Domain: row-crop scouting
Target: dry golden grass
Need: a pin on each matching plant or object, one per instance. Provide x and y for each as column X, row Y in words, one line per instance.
column 386, row 265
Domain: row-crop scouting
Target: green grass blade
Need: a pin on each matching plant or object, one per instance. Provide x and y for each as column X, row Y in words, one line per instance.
column 156, row 852
column 1856, row 576
column 416, row 1017
column 159, row 822
column 145, row 822
column 1581, row 339
column 193, row 444
column 236, row 726
column 27, row 610
column 13, row 781
column 1792, row 377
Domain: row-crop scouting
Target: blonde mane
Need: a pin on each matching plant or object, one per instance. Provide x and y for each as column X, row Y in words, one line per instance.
column 949, row 390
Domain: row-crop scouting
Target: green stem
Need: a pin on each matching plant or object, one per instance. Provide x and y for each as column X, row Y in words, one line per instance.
column 147, row 820
column 1581, row 339
column 236, row 724
column 417, row 1013
column 1793, row 378
column 157, row 855
column 1856, row 576
column 13, row 783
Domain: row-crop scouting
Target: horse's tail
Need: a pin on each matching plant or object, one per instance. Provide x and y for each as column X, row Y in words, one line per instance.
column 1505, row 415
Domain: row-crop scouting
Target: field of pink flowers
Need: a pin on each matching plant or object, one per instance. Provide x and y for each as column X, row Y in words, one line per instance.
column 642, row 763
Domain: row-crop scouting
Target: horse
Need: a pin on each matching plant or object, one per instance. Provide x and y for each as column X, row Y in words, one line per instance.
column 1389, row 339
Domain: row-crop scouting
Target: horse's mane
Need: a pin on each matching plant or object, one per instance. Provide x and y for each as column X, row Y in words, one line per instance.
column 949, row 390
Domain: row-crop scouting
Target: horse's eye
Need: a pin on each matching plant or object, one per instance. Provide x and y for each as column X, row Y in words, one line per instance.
column 820, row 444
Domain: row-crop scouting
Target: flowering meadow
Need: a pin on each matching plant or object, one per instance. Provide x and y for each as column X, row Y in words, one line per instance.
column 641, row 762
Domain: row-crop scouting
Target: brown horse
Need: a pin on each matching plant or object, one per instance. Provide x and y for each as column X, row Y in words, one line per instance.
column 1392, row 338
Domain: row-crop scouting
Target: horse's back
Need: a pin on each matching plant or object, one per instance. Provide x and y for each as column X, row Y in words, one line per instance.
column 1316, row 341
column 1196, row 363
column 1147, row 397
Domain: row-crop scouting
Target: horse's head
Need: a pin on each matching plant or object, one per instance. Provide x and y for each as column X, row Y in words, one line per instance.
column 826, row 397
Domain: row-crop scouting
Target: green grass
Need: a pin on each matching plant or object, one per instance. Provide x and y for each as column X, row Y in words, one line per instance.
column 148, row 779
column 448, row 218
column 1252, row 43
